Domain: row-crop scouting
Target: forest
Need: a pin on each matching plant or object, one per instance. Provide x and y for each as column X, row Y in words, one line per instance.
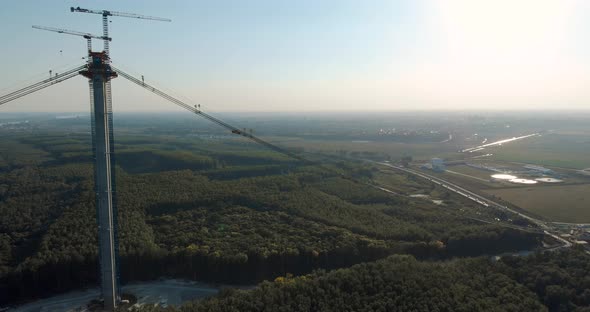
column 213, row 210
column 551, row 281
column 210, row 211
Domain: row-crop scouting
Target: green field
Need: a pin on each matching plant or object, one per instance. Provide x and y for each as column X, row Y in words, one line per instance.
column 559, row 150
column 564, row 203
column 13, row 152
column 470, row 171
column 395, row 150
column 466, row 177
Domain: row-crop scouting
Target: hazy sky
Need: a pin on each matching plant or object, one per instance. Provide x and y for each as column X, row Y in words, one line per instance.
column 311, row 55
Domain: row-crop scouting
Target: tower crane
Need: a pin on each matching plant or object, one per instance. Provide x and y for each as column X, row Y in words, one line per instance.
column 86, row 36
column 105, row 23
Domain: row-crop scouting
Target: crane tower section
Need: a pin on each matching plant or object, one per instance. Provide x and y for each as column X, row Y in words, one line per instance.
column 99, row 74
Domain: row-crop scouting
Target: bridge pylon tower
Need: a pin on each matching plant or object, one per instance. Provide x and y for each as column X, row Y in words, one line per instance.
column 99, row 74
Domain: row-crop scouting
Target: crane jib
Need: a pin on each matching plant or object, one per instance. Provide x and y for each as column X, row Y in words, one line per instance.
column 106, row 13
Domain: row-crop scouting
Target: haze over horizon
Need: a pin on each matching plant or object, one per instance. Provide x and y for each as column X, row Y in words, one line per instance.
column 313, row 56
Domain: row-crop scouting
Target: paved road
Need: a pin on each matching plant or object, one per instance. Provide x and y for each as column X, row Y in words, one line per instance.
column 463, row 192
column 572, row 224
column 478, row 199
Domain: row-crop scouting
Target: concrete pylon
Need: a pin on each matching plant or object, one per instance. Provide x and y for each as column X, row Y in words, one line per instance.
column 99, row 74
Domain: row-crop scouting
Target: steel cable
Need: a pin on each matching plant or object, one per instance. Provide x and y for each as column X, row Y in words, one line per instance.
column 40, row 85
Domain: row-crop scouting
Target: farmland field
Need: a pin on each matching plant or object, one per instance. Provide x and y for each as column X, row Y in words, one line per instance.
column 478, row 173
column 564, row 203
column 559, row 150
column 395, row 150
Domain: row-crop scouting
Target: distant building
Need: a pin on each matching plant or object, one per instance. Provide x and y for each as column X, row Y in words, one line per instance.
column 437, row 164
column 427, row 166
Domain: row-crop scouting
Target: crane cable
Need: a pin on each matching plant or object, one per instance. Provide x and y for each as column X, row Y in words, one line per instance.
column 30, row 79
column 62, row 78
column 40, row 85
column 75, row 71
column 199, row 112
column 235, row 130
column 50, row 79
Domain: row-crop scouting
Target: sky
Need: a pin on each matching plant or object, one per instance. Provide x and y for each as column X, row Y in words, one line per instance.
column 311, row 55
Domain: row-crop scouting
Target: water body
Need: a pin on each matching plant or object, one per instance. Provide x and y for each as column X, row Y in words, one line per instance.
column 549, row 180
column 500, row 142
column 427, row 197
column 515, row 179
column 523, row 181
column 522, row 253
column 504, row 176
column 165, row 292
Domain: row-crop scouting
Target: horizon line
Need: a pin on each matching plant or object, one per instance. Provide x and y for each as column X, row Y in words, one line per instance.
column 552, row 110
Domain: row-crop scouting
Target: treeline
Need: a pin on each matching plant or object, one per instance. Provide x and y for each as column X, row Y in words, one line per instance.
column 141, row 161
column 561, row 280
column 555, row 281
column 182, row 224
column 141, row 154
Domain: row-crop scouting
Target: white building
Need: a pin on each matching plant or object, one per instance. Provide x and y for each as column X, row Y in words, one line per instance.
column 437, row 164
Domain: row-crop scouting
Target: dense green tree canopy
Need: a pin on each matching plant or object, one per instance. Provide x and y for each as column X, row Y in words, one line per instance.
column 218, row 212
